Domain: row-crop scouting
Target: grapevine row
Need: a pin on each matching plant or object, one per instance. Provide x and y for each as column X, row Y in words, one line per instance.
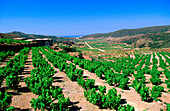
column 109, row 100
column 4, row 55
column 40, row 83
column 10, row 73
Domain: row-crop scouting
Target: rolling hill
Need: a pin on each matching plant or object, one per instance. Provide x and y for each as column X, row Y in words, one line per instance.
column 153, row 40
column 16, row 34
column 153, row 37
column 130, row 32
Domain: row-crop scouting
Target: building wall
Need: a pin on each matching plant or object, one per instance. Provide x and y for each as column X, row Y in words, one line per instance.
column 45, row 42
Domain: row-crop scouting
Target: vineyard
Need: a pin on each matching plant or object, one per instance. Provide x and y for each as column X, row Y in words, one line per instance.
column 13, row 41
column 40, row 78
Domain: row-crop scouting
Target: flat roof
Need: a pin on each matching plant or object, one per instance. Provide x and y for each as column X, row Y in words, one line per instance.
column 43, row 39
column 20, row 38
column 30, row 40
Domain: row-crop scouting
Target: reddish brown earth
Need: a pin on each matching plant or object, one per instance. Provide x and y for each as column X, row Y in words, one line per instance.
column 84, row 56
column 76, row 95
column 22, row 100
column 73, row 91
column 131, row 96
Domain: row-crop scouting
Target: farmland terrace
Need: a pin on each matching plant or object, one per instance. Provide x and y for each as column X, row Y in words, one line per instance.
column 42, row 78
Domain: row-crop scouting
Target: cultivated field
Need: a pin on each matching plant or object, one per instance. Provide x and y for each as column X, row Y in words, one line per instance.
column 42, row 78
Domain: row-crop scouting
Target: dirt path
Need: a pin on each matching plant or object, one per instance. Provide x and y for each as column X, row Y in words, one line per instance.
column 165, row 96
column 164, row 59
column 151, row 58
column 131, row 96
column 2, row 64
column 88, row 45
column 93, row 48
column 73, row 91
column 21, row 101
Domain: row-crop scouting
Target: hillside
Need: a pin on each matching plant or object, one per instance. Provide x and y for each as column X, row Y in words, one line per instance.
column 16, row 34
column 130, row 32
column 158, row 40
column 153, row 37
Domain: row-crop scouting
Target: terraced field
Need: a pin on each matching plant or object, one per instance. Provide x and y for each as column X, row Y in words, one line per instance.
column 43, row 79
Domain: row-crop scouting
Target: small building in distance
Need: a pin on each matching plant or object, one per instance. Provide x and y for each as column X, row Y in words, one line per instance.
column 31, row 40
column 38, row 41
column 20, row 38
column 44, row 42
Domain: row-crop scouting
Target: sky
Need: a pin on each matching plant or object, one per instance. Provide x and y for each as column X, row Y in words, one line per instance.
column 81, row 17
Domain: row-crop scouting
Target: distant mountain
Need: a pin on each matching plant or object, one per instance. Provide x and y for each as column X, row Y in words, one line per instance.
column 72, row 36
column 154, row 37
column 130, row 32
column 16, row 34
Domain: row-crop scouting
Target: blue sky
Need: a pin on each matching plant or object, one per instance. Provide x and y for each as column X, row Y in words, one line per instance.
column 81, row 17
